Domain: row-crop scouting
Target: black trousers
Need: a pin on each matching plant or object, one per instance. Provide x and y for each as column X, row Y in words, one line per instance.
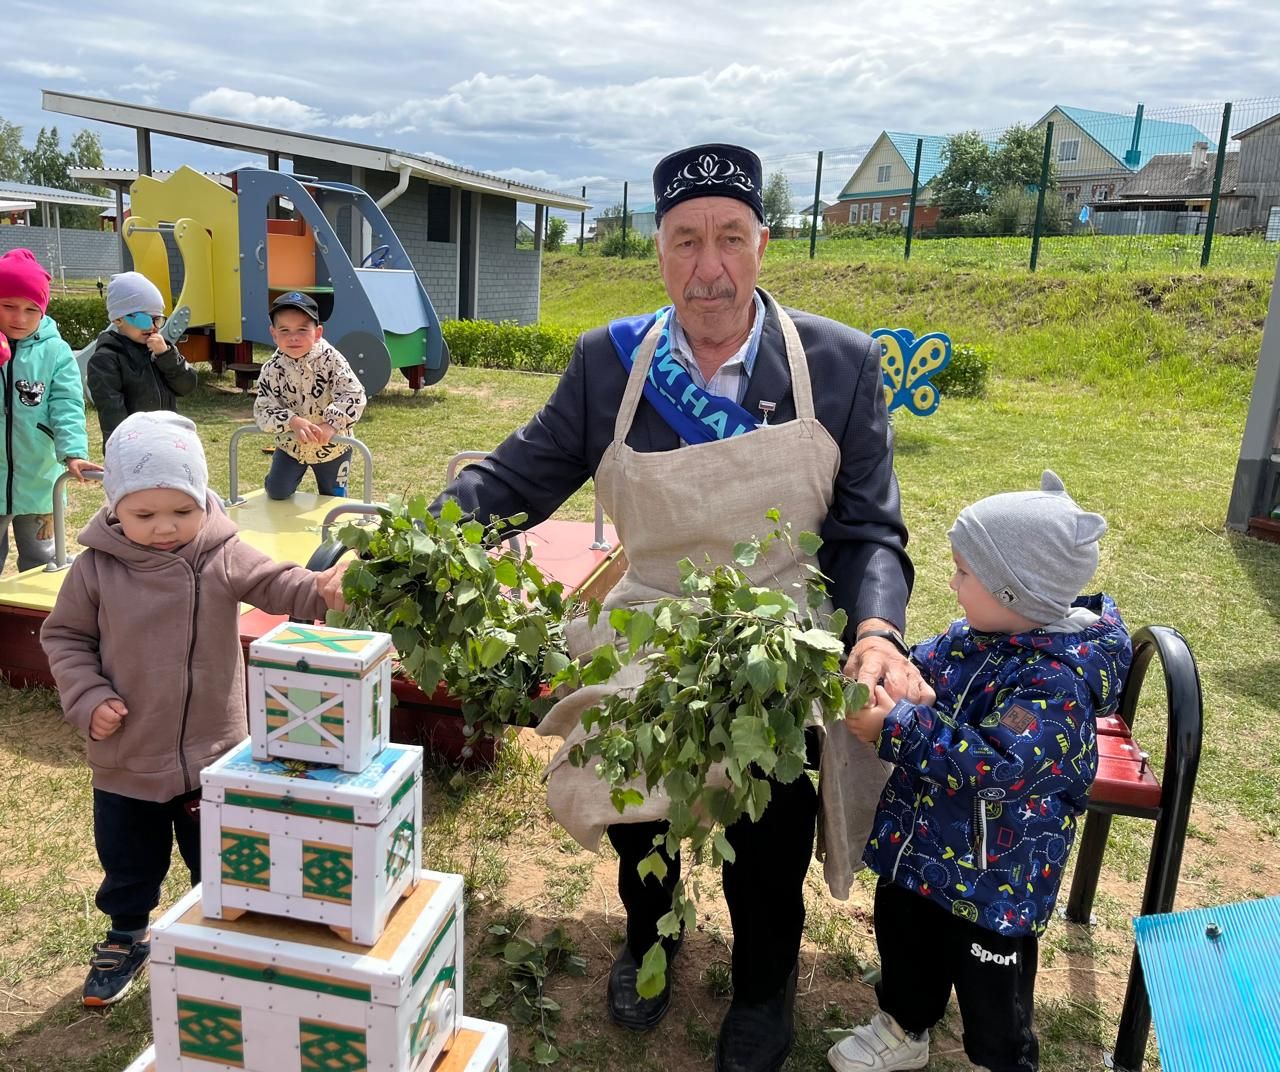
column 925, row 951
column 134, row 839
column 763, row 887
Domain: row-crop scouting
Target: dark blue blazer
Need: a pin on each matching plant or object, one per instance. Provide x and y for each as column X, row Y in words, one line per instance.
column 539, row 466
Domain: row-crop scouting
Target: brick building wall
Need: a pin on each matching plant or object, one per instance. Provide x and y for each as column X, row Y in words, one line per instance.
column 508, row 278
column 892, row 210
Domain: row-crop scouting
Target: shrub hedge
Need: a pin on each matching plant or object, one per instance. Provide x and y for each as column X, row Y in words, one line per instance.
column 528, row 347
column 80, row 318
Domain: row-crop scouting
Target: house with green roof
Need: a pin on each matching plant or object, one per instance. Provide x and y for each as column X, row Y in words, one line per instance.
column 1095, row 152
column 879, row 190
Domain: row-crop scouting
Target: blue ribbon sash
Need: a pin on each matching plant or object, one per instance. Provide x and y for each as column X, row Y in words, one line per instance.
column 696, row 415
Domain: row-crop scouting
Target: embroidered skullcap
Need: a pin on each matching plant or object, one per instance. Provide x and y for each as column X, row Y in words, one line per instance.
column 713, row 170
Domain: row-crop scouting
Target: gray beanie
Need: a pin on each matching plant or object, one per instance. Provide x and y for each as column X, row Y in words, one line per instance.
column 1033, row 550
column 158, row 449
column 132, row 292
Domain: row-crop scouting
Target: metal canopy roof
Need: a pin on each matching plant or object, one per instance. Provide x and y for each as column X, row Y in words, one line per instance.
column 22, row 191
column 232, row 134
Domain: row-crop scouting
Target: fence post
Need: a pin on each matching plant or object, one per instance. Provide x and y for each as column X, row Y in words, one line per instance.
column 582, row 224
column 624, row 219
column 817, row 197
column 1044, row 181
column 915, row 192
column 1223, row 135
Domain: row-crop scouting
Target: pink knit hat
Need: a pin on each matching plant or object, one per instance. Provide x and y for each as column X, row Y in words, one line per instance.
column 21, row 276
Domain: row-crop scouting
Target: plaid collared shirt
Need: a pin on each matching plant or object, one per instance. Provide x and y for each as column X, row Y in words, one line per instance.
column 730, row 379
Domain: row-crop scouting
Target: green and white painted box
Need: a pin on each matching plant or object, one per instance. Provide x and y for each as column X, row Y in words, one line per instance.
column 311, row 842
column 320, row 694
column 477, row 1046
column 264, row 994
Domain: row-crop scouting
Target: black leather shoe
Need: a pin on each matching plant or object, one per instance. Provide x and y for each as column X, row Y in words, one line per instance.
column 757, row 1037
column 626, row 1007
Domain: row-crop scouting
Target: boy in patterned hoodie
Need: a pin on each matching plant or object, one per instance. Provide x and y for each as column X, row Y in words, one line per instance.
column 976, row 822
column 307, row 394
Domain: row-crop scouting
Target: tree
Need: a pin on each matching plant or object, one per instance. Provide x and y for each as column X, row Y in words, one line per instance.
column 11, row 152
column 777, row 202
column 556, row 228
column 963, row 184
column 1017, row 161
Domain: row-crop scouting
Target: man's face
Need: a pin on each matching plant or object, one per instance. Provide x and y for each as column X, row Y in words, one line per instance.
column 19, row 317
column 709, row 255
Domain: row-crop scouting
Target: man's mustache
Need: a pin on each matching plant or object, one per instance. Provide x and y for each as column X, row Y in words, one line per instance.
column 711, row 290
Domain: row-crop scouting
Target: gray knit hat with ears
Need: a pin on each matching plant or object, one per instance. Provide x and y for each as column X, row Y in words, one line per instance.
column 155, row 449
column 1033, row 550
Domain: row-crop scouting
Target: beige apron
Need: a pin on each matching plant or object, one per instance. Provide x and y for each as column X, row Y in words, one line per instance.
column 696, row 503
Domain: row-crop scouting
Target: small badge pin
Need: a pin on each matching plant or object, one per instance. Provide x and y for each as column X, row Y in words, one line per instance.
column 766, row 408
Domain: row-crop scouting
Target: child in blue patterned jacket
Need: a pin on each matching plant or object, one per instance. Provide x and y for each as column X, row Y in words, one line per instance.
column 976, row 822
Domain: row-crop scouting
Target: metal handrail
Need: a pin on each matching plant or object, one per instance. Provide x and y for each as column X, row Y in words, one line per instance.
column 235, row 498
column 366, row 509
column 599, row 543
column 60, row 518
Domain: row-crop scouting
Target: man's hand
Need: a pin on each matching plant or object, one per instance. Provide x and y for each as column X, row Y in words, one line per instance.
column 867, row 722
column 329, row 585
column 157, row 343
column 875, row 661
column 77, row 467
column 107, row 717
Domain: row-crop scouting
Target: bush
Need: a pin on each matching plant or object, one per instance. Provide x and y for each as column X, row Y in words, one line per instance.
column 556, row 229
column 966, row 375
column 636, row 245
column 528, row 348
column 970, row 225
column 80, row 318
column 867, row 229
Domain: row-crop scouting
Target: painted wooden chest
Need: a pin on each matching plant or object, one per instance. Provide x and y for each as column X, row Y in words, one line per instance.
column 264, row 994
column 311, row 842
column 320, row 694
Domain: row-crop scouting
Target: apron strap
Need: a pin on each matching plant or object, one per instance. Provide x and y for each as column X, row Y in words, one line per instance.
column 635, row 381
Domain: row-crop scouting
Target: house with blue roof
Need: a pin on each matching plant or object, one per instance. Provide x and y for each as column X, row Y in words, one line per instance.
column 879, row 190
column 1095, row 152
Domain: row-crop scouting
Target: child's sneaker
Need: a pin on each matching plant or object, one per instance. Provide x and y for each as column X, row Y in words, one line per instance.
column 111, row 971
column 881, row 1045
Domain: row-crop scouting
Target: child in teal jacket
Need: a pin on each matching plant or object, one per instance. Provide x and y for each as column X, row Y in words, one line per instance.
column 43, row 423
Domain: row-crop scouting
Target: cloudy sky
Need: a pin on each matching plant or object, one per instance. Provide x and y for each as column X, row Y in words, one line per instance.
column 571, row 94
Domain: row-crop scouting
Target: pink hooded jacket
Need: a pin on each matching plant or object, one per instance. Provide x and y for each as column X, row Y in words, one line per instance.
column 159, row 630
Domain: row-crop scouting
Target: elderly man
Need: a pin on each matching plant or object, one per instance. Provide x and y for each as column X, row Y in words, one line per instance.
column 694, row 422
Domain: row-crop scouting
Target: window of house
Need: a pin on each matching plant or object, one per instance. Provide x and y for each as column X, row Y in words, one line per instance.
column 875, row 213
column 893, row 210
column 864, row 213
column 1069, row 198
column 1068, row 150
column 883, row 172
column 439, row 213
column 853, row 213
column 1100, row 192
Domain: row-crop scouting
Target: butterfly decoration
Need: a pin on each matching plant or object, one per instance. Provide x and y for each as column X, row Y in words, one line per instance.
column 908, row 365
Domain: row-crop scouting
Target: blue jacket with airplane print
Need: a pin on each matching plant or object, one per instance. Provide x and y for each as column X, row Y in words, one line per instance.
column 980, row 811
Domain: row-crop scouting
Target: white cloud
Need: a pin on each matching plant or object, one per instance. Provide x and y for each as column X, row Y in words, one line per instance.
column 252, row 108
column 40, row 69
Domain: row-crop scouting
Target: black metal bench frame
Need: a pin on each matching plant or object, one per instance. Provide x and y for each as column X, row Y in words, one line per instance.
column 1182, row 761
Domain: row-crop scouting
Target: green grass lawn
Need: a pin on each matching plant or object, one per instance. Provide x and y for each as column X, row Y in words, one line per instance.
column 1132, row 386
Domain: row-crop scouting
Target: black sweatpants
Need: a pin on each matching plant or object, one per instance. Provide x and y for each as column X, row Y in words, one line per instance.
column 763, row 887
column 134, row 839
column 925, row 951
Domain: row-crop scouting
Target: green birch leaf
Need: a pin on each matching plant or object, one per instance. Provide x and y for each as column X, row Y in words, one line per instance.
column 652, row 976
column 506, row 574
column 809, row 542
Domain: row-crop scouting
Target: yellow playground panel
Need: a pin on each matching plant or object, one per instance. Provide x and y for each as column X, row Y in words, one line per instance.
column 204, row 217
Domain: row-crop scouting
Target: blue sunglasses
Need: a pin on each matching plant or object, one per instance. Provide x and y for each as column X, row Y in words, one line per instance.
column 143, row 321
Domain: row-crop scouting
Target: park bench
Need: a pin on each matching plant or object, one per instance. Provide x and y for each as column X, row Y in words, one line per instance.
column 1126, row 784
